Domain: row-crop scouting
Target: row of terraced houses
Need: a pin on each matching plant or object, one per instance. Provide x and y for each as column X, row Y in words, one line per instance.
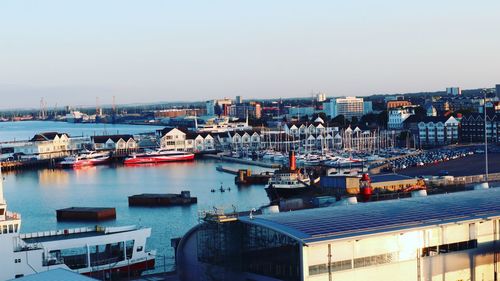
column 429, row 131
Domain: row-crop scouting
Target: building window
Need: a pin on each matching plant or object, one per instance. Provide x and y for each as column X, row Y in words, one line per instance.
column 447, row 248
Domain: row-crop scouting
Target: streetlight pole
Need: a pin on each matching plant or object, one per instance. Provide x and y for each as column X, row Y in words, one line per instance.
column 485, row 138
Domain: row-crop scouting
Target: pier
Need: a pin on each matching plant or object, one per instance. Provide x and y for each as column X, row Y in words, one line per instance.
column 227, row 170
column 243, row 161
column 245, row 176
column 27, row 164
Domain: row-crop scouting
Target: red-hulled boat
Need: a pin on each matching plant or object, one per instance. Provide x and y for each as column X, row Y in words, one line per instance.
column 159, row 156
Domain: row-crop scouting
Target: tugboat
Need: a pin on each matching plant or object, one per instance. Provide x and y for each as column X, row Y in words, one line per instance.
column 289, row 182
column 103, row 252
column 159, row 156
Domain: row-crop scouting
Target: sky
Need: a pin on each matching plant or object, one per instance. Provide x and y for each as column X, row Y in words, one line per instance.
column 70, row 52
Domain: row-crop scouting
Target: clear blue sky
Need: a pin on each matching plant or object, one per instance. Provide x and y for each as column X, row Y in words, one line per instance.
column 70, row 52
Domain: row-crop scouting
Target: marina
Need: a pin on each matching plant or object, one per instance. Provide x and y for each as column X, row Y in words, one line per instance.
column 135, row 182
column 247, row 141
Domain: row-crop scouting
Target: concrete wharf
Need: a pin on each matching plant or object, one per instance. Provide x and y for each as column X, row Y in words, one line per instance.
column 243, row 161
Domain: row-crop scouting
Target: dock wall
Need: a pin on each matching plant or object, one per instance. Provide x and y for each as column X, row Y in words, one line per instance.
column 242, row 161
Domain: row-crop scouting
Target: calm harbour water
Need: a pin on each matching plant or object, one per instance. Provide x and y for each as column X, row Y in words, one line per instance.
column 22, row 131
column 36, row 194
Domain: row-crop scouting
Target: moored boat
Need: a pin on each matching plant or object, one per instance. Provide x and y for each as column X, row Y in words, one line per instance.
column 85, row 159
column 159, row 156
column 289, row 182
column 102, row 252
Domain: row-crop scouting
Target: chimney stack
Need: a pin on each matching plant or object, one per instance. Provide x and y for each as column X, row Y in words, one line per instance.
column 293, row 161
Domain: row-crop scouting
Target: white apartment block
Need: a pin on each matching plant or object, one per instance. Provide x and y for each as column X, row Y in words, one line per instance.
column 398, row 115
column 349, row 107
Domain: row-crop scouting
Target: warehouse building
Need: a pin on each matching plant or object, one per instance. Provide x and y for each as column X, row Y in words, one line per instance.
column 441, row 237
column 349, row 184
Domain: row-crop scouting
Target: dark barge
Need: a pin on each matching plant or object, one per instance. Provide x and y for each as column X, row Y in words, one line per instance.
column 168, row 199
column 86, row 214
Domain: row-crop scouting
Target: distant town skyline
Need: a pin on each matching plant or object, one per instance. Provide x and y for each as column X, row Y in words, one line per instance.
column 70, row 52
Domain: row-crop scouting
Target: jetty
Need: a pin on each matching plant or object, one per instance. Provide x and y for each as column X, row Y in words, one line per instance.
column 166, row 199
column 243, row 161
column 245, row 176
column 86, row 214
column 228, row 170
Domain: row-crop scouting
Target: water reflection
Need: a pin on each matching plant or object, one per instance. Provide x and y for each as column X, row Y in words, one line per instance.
column 109, row 186
column 53, row 178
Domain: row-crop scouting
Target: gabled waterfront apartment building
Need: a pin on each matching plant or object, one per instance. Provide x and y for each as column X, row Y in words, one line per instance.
column 246, row 140
column 46, row 145
column 203, row 142
column 434, row 131
column 118, row 144
column 179, row 139
column 301, row 129
column 473, row 127
column 175, row 139
column 440, row 237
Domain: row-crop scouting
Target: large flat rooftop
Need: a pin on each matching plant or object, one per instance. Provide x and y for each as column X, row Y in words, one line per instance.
column 321, row 224
column 458, row 167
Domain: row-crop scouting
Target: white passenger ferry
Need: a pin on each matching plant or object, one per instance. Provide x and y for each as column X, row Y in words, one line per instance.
column 100, row 252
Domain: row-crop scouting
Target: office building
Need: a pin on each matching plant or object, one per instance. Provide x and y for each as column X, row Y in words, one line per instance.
column 223, row 105
column 320, row 97
column 295, row 112
column 252, row 109
column 349, row 107
column 454, row 91
column 239, row 100
column 367, row 107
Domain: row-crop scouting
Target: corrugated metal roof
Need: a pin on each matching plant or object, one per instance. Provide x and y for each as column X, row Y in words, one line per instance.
column 55, row 275
column 330, row 223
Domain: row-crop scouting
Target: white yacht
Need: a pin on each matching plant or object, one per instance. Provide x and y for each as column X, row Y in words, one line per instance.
column 88, row 158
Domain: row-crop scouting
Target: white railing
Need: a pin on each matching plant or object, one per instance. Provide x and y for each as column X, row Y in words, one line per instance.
column 59, row 232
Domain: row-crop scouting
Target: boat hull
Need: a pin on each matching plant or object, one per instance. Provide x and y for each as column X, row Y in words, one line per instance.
column 158, row 159
column 276, row 193
column 84, row 163
column 132, row 270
